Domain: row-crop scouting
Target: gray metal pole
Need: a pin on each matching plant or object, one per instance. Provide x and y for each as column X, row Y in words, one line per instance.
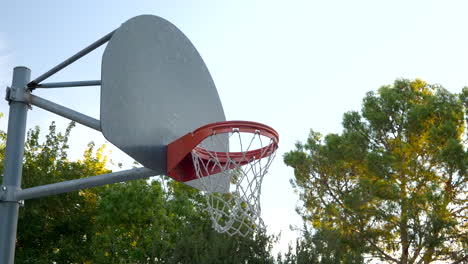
column 65, row 112
column 68, row 84
column 83, row 183
column 70, row 60
column 12, row 169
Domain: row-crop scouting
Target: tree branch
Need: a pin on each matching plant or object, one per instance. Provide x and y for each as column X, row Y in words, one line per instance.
column 460, row 260
column 388, row 257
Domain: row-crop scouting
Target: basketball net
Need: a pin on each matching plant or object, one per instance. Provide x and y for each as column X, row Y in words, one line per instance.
column 237, row 210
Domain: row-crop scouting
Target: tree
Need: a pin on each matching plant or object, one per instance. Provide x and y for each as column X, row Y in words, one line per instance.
column 165, row 222
column 393, row 185
column 57, row 228
column 325, row 246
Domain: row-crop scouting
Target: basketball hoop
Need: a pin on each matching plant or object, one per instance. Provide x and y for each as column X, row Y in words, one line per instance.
column 230, row 180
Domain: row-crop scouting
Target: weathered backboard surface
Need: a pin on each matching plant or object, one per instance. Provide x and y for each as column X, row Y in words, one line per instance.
column 155, row 89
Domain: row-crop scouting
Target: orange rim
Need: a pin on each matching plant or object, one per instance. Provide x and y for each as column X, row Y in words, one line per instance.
column 237, row 126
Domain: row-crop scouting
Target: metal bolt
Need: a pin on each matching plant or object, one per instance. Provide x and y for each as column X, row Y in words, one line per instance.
column 3, row 188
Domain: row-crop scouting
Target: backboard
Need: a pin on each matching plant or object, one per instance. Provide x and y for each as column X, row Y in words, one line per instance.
column 155, row 88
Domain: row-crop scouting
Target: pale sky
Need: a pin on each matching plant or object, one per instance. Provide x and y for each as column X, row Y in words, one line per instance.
column 293, row 65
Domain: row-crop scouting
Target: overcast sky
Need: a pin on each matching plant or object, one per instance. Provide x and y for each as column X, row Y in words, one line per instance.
column 293, row 65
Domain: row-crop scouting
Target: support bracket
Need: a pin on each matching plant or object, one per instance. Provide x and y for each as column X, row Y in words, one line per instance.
column 18, row 94
column 7, row 195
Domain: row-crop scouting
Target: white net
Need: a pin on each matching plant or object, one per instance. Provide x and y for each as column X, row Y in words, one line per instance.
column 233, row 187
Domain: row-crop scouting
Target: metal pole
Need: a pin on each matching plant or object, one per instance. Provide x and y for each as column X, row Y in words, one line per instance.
column 68, row 84
column 83, row 183
column 70, row 60
column 65, row 112
column 13, row 165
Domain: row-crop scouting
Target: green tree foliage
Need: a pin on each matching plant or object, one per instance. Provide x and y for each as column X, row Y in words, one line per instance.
column 165, row 222
column 393, row 185
column 323, row 246
column 133, row 222
column 57, row 228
